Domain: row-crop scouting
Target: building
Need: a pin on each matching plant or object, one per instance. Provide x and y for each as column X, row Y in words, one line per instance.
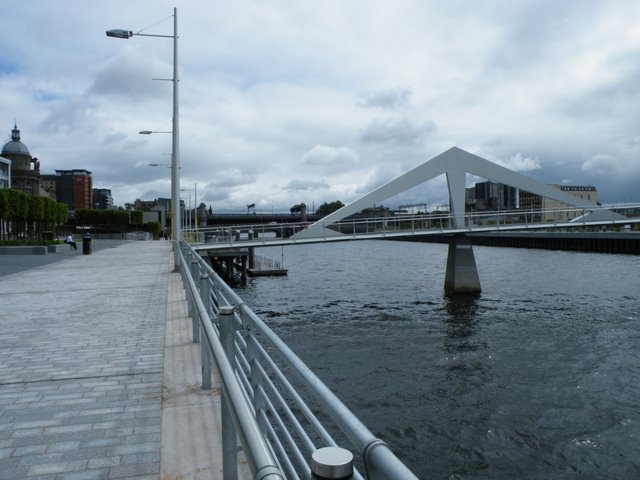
column 491, row 196
column 48, row 185
column 5, row 173
column 72, row 187
column 25, row 169
column 102, row 199
column 155, row 210
column 554, row 211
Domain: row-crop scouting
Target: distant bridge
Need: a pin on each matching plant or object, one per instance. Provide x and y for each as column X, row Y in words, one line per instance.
column 255, row 218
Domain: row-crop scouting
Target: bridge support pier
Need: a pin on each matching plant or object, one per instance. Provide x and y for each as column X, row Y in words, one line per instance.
column 462, row 274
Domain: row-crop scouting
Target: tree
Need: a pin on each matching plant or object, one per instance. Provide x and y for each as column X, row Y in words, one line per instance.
column 137, row 217
column 327, row 208
column 155, row 228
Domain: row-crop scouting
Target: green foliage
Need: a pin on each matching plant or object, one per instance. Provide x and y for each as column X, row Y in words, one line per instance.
column 28, row 216
column 327, row 208
column 137, row 217
column 61, row 213
column 18, row 205
column 4, row 204
column 101, row 217
column 154, row 228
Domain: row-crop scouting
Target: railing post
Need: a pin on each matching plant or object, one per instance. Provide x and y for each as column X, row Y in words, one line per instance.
column 186, row 270
column 205, row 352
column 331, row 463
column 229, row 435
column 195, row 324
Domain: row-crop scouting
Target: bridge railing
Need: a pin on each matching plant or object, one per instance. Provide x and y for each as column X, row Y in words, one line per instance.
column 262, row 378
column 439, row 222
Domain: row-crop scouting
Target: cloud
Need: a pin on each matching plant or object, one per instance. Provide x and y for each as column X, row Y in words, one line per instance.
column 397, row 131
column 328, row 156
column 366, row 91
column 386, row 99
column 229, row 178
column 520, row 163
column 306, row 185
column 129, row 75
column 601, row 164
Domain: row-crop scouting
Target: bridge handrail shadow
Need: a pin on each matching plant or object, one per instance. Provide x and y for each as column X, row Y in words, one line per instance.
column 280, row 418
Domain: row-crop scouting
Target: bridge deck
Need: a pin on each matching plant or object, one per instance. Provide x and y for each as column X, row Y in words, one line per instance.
column 322, row 235
column 98, row 377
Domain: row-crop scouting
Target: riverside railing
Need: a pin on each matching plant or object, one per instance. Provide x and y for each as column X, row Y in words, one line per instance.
column 278, row 408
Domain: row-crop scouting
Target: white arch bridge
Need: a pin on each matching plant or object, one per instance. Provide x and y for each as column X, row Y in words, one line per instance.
column 461, row 274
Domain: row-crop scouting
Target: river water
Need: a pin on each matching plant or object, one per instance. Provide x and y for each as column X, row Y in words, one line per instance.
column 537, row 377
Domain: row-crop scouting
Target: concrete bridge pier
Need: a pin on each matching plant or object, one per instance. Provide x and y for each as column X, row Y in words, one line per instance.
column 462, row 274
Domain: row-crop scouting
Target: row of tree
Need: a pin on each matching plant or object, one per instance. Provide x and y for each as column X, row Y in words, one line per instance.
column 25, row 216
column 116, row 220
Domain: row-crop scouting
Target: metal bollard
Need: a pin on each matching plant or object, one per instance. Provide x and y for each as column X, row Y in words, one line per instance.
column 332, row 463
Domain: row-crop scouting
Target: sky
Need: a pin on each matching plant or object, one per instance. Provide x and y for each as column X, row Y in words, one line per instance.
column 284, row 102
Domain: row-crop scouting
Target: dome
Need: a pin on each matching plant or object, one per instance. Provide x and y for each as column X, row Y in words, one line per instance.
column 15, row 146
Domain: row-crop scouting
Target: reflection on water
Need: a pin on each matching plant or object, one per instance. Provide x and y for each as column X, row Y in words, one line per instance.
column 462, row 314
column 536, row 377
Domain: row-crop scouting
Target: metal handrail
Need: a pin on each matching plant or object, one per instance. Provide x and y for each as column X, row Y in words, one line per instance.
column 412, row 223
column 259, row 456
column 286, row 408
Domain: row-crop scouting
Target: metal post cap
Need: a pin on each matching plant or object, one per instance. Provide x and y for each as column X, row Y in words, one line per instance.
column 227, row 310
column 332, row 463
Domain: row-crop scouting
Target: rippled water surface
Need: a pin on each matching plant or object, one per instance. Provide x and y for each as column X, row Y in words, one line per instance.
column 537, row 377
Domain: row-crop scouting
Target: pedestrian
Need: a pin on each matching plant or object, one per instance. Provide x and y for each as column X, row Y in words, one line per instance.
column 70, row 241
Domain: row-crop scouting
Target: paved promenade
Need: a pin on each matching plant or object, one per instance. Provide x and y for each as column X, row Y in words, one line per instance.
column 90, row 385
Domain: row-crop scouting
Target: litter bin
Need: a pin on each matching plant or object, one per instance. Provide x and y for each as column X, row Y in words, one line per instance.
column 86, row 244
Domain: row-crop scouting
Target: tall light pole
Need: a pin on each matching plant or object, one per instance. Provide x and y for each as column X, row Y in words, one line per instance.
column 175, row 137
column 193, row 213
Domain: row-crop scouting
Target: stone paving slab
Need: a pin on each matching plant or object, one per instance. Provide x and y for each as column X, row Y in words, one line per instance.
column 81, row 365
column 191, row 425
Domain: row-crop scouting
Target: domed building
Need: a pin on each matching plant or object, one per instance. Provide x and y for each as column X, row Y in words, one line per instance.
column 25, row 169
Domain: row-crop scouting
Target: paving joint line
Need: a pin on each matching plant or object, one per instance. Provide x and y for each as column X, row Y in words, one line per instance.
column 90, row 377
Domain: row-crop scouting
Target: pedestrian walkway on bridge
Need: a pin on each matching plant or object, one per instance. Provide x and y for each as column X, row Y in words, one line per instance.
column 98, row 375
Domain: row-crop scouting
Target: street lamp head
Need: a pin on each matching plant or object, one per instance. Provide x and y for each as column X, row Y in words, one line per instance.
column 145, row 132
column 119, row 33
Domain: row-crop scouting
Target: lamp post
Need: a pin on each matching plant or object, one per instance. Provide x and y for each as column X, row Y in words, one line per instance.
column 175, row 137
column 193, row 213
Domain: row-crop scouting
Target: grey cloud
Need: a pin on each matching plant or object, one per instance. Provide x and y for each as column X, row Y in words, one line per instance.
column 131, row 76
column 327, row 155
column 618, row 97
column 306, row 185
column 397, row 131
column 231, row 178
column 536, row 31
column 601, row 164
column 385, row 99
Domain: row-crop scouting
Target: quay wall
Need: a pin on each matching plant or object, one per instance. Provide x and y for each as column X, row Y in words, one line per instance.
column 601, row 242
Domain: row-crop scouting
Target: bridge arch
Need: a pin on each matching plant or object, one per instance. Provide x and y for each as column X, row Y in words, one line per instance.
column 455, row 163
